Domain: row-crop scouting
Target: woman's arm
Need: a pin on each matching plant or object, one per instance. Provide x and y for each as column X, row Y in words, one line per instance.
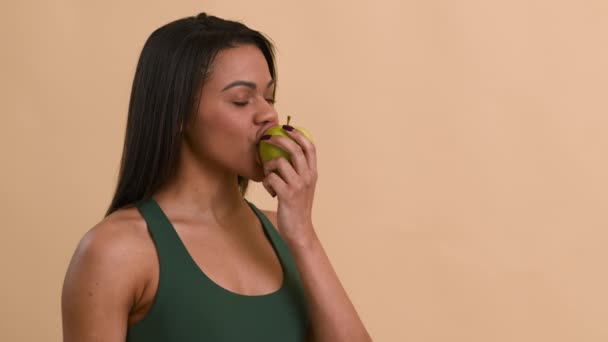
column 98, row 288
column 333, row 316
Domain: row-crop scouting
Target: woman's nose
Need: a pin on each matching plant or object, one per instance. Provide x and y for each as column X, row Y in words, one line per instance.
column 267, row 112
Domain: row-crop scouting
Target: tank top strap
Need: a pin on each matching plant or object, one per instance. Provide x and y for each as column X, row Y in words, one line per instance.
column 269, row 229
column 172, row 256
column 280, row 245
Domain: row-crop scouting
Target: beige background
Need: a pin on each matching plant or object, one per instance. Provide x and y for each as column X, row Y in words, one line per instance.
column 462, row 153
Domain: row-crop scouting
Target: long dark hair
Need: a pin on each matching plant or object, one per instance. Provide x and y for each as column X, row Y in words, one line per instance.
column 174, row 63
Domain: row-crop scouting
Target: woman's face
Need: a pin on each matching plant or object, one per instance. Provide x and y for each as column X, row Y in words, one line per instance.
column 236, row 106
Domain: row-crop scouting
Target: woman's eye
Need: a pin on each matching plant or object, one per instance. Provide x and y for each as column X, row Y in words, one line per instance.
column 244, row 103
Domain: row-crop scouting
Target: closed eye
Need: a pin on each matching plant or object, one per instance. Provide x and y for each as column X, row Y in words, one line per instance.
column 243, row 104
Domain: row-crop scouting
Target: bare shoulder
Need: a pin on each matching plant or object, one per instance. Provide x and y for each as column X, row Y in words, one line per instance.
column 115, row 245
column 120, row 236
column 106, row 276
column 122, row 241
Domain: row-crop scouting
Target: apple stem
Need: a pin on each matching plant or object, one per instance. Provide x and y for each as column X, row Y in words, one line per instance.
column 288, row 119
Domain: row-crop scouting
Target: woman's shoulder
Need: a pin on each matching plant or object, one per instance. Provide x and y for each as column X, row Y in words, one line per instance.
column 123, row 229
column 112, row 265
column 120, row 241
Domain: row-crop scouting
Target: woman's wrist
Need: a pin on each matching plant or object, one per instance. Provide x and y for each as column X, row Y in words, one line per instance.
column 303, row 238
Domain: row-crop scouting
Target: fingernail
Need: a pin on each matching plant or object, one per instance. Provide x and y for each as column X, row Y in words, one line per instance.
column 287, row 128
column 265, row 137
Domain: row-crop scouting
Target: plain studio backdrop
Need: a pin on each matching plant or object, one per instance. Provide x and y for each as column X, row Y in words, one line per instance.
column 462, row 149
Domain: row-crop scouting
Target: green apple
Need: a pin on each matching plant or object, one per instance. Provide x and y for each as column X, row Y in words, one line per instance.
column 268, row 151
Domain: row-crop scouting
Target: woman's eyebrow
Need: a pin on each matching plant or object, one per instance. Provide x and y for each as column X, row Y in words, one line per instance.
column 246, row 84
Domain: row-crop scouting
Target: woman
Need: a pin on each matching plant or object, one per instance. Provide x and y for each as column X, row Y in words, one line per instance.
column 181, row 254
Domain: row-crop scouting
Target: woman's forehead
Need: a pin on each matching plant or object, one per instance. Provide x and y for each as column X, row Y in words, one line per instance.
column 245, row 62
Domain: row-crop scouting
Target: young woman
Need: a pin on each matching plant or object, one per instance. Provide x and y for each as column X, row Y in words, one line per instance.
column 181, row 254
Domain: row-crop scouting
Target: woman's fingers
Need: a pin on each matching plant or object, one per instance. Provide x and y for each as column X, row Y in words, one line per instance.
column 273, row 183
column 301, row 151
column 294, row 183
column 269, row 187
column 306, row 146
column 292, row 148
column 284, row 168
column 287, row 179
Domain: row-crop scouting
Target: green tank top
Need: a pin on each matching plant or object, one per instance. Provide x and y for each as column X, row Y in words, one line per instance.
column 190, row 307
